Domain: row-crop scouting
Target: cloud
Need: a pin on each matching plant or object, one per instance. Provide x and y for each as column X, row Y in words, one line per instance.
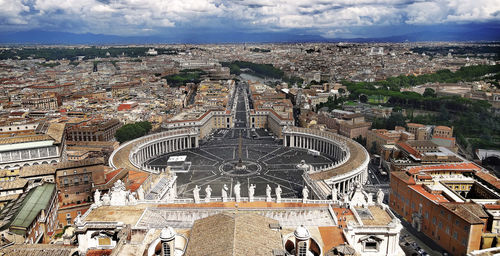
column 326, row 17
column 11, row 12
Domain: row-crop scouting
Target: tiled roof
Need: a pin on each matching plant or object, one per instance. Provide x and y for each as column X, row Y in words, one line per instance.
column 136, row 179
column 470, row 212
column 37, row 170
column 38, row 250
column 489, row 178
column 437, row 198
column 56, row 131
column 24, row 139
column 13, row 184
column 404, row 177
column 465, row 166
column 405, row 146
column 331, row 236
column 233, row 234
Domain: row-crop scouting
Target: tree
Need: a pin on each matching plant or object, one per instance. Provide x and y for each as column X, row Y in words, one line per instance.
column 396, row 119
column 341, row 91
column 429, row 92
column 363, row 98
column 373, row 149
column 132, row 131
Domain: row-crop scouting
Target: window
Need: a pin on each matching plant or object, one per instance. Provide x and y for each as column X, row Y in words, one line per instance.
column 440, row 224
column 447, row 230
column 66, row 196
column 371, row 245
column 455, row 234
column 302, row 248
column 434, row 220
column 68, row 215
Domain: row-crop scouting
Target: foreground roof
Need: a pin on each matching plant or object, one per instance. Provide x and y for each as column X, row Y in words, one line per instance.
column 234, row 234
column 36, row 200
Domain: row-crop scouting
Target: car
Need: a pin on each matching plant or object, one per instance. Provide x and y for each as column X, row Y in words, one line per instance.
column 373, row 177
column 369, row 171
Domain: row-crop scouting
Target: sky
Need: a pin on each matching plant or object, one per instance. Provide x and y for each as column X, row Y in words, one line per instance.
column 252, row 18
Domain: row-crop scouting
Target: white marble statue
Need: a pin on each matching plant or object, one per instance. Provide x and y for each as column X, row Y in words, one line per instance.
column 278, row 194
column 97, row 196
column 351, row 187
column 335, row 193
column 268, row 193
column 224, row 193
column 251, row 192
column 140, row 193
column 305, row 193
column 208, row 193
column 237, row 191
column 380, row 197
column 132, row 197
column 346, row 198
column 78, row 220
column 106, row 200
column 369, row 200
column 196, row 194
column 119, row 196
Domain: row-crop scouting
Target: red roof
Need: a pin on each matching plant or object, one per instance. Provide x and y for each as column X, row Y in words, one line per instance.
column 465, row 166
column 437, row 198
column 492, row 206
column 111, row 175
column 136, row 179
column 99, row 252
column 487, row 177
column 409, row 149
column 443, row 138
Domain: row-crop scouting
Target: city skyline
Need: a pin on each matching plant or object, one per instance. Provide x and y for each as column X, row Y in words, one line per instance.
column 220, row 21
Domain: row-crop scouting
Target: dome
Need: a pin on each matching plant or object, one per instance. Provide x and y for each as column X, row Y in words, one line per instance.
column 167, row 234
column 302, row 233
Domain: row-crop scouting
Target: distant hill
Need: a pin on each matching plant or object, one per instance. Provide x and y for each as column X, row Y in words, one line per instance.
column 469, row 33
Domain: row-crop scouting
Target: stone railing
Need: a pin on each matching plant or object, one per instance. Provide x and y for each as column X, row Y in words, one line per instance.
column 219, row 200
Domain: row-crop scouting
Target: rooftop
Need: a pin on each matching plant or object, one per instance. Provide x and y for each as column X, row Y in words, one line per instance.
column 36, row 200
column 234, row 234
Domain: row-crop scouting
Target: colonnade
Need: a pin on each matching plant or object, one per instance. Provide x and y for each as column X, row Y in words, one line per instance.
column 344, row 176
column 324, row 146
column 163, row 146
column 346, row 185
column 162, row 143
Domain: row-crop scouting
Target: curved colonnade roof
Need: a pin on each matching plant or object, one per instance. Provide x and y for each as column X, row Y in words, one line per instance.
column 358, row 156
column 120, row 158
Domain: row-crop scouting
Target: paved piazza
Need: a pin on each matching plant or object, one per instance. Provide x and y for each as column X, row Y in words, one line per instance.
column 267, row 161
